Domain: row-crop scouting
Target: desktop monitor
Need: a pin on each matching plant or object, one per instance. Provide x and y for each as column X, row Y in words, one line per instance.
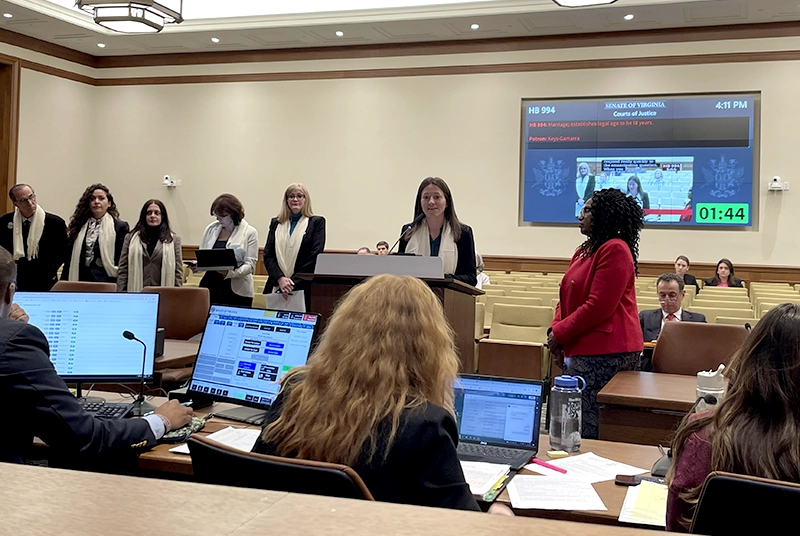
column 84, row 331
column 245, row 353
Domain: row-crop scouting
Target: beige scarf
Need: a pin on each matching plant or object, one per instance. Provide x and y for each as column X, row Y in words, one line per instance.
column 107, row 239
column 420, row 244
column 136, row 264
column 287, row 246
column 34, row 234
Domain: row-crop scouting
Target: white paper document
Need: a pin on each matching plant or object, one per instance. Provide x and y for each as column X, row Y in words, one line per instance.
column 587, row 467
column 482, row 476
column 645, row 504
column 238, row 438
column 536, row 492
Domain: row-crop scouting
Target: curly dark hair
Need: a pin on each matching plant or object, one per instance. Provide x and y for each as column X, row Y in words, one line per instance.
column 83, row 212
column 614, row 215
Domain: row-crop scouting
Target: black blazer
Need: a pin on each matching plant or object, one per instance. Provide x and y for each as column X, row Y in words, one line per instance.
column 39, row 274
column 93, row 273
column 44, row 407
column 421, row 466
column 313, row 244
column 711, row 282
column 466, row 270
column 689, row 279
column 650, row 321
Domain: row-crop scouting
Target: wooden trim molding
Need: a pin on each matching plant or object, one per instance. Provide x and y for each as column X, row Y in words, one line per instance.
column 9, row 124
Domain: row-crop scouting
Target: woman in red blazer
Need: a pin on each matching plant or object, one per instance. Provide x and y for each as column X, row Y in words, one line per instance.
column 596, row 324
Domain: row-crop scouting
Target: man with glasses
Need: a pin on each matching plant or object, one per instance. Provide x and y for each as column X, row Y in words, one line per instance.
column 670, row 288
column 36, row 239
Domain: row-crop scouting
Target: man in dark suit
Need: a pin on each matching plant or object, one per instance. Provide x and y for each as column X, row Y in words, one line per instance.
column 670, row 288
column 42, row 406
column 36, row 239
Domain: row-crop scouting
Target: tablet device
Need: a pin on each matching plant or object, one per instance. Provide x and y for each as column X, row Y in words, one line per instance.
column 215, row 259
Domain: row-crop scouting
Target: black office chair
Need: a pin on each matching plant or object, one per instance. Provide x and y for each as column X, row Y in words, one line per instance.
column 737, row 504
column 214, row 463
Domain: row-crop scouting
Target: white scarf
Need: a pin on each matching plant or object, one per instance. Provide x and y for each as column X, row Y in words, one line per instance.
column 287, row 246
column 420, row 244
column 237, row 241
column 136, row 264
column 107, row 240
column 34, row 234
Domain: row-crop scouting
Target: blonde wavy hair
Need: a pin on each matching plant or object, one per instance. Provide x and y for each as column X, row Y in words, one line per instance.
column 387, row 347
column 286, row 213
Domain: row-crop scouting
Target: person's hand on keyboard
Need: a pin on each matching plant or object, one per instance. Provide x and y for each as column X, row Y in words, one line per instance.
column 175, row 414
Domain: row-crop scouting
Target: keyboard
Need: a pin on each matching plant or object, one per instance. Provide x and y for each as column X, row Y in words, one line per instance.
column 516, row 458
column 108, row 410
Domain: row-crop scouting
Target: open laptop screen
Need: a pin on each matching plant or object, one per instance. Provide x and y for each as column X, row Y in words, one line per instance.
column 245, row 352
column 498, row 411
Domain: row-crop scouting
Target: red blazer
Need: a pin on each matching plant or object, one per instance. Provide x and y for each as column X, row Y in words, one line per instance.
column 596, row 313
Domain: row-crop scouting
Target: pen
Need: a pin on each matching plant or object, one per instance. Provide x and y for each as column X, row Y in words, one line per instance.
column 187, row 404
column 537, row 461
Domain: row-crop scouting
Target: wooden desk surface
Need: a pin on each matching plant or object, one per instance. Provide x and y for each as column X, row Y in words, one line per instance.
column 649, row 391
column 92, row 504
column 177, row 354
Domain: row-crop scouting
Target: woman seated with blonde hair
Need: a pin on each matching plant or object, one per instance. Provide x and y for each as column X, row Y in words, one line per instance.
column 755, row 431
column 377, row 395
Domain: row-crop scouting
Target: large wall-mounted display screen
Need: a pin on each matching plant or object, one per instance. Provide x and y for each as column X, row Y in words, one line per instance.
column 687, row 160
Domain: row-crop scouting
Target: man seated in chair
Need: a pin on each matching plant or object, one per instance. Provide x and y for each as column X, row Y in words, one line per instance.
column 670, row 288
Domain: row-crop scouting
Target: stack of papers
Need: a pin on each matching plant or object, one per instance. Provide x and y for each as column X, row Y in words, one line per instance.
column 484, row 478
column 238, row 438
column 587, row 467
column 645, row 504
column 529, row 491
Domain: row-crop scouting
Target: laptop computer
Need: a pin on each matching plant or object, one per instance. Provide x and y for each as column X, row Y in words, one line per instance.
column 215, row 259
column 498, row 419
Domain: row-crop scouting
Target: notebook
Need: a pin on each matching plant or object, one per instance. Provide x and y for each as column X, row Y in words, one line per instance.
column 498, row 419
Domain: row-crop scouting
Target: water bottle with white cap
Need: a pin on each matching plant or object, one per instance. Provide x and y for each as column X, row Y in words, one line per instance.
column 711, row 382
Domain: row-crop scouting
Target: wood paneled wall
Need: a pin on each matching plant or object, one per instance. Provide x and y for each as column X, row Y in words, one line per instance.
column 9, row 124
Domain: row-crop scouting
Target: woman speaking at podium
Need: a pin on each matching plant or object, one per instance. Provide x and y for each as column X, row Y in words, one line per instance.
column 296, row 237
column 95, row 235
column 437, row 232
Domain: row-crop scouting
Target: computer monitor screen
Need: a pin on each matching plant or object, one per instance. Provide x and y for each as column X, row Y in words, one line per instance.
column 84, row 331
column 245, row 353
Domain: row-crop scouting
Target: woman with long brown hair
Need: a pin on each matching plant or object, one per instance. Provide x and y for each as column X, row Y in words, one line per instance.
column 755, row 430
column 377, row 394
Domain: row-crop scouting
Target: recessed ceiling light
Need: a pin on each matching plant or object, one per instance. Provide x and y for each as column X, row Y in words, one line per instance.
column 629, row 16
column 339, row 33
column 215, row 39
column 475, row 26
column 101, row 45
column 7, row 15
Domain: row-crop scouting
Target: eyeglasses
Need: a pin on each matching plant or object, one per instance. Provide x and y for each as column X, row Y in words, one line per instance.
column 586, row 210
column 30, row 199
column 668, row 298
column 295, row 196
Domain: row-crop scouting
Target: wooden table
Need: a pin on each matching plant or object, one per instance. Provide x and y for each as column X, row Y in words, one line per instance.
column 644, row 407
column 177, row 354
column 92, row 504
column 611, row 494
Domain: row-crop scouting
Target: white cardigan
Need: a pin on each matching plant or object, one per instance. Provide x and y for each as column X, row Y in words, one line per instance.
column 242, row 277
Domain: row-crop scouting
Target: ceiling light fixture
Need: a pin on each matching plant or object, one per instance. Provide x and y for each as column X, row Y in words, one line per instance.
column 101, row 45
column 7, row 15
column 139, row 16
column 215, row 39
column 339, row 33
column 629, row 16
column 475, row 26
column 583, row 3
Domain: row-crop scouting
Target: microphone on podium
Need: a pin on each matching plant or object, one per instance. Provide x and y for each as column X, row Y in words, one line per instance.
column 142, row 405
column 418, row 219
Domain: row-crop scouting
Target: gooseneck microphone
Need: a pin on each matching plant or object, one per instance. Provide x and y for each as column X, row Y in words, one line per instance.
column 411, row 225
column 747, row 326
column 142, row 406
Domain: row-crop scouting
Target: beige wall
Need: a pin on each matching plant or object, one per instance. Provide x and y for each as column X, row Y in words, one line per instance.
column 363, row 145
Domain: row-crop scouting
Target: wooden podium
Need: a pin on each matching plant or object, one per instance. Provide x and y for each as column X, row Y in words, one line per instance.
column 458, row 299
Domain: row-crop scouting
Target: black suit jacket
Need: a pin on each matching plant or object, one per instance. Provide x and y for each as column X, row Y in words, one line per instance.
column 711, row 282
column 95, row 273
column 689, row 279
column 466, row 270
column 650, row 321
column 40, row 405
column 39, row 274
column 421, row 466
column 311, row 246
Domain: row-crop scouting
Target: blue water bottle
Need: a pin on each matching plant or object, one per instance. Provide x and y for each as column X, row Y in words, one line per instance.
column 565, row 413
